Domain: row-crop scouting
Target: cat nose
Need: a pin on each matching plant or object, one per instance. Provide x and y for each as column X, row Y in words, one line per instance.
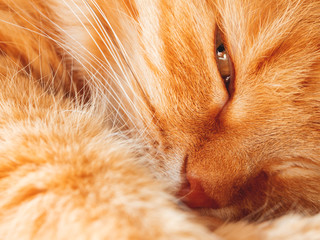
column 193, row 195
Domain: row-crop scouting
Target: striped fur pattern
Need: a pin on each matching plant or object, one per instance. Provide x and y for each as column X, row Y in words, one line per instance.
column 109, row 108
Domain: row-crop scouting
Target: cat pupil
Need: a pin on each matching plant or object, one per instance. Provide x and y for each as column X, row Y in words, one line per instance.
column 220, row 49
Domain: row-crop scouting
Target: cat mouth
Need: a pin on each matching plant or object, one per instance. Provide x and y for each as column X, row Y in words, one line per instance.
column 196, row 199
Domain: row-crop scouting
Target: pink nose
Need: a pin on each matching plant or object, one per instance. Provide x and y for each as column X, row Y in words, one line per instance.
column 194, row 196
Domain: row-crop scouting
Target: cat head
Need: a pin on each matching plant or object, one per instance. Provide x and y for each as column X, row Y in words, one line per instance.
column 249, row 143
column 228, row 95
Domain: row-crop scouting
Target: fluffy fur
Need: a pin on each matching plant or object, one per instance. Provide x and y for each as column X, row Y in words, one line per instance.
column 109, row 108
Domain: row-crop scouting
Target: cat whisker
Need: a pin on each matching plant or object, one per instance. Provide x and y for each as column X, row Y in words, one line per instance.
column 118, row 48
column 119, row 83
column 57, row 41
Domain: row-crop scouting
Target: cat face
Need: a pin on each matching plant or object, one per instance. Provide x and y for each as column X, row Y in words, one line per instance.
column 247, row 146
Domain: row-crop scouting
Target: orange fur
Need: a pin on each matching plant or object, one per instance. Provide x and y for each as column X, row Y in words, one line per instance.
column 246, row 149
column 107, row 108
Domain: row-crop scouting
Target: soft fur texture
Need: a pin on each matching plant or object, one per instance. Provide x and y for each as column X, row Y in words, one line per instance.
column 112, row 112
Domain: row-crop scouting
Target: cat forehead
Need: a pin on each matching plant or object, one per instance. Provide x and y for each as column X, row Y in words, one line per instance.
column 178, row 41
column 178, row 38
column 178, row 23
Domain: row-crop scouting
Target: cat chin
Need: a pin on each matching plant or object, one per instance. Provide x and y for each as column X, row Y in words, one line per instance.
column 236, row 213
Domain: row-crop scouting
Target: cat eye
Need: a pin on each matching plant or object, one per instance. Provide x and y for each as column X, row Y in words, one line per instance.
column 224, row 63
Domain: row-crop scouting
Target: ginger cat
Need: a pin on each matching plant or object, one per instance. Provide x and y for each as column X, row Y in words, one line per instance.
column 116, row 115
